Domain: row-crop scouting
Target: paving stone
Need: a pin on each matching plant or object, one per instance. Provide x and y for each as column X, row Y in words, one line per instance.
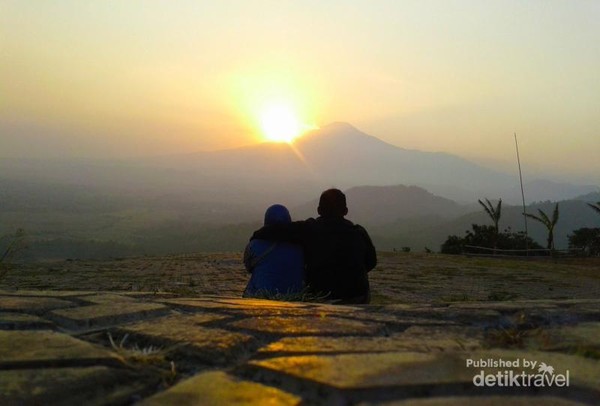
column 21, row 321
column 106, row 314
column 360, row 371
column 97, row 385
column 336, row 308
column 35, row 305
column 193, row 304
column 584, row 372
column 480, row 401
column 218, row 388
column 447, row 314
column 464, row 338
column 46, row 293
column 402, row 320
column 405, row 369
column 234, row 303
column 578, row 338
column 209, row 345
column 318, row 325
column 107, row 298
column 503, row 306
column 570, row 302
column 48, row 348
column 201, row 304
column 248, row 302
column 261, row 312
column 320, row 345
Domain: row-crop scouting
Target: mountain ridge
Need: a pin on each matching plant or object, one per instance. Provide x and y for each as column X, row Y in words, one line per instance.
column 335, row 155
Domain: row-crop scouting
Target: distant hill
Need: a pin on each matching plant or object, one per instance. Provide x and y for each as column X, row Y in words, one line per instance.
column 335, row 155
column 213, row 200
column 378, row 205
column 541, row 190
column 433, row 231
column 593, row 197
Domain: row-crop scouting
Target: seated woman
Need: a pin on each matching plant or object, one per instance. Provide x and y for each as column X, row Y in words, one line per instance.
column 276, row 267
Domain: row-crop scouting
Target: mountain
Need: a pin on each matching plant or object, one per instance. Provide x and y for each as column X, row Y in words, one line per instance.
column 335, row 155
column 348, row 157
column 392, row 203
column 541, row 190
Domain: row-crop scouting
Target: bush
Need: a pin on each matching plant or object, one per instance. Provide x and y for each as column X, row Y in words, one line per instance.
column 586, row 239
column 485, row 236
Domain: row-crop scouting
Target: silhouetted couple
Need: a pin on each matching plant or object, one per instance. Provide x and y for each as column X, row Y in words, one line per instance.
column 328, row 257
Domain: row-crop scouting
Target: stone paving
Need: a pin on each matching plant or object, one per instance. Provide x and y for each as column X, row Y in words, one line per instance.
column 151, row 348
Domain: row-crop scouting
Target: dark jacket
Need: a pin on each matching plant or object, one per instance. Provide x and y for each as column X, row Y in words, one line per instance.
column 337, row 253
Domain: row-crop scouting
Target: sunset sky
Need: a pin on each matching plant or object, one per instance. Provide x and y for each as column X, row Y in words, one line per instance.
column 132, row 78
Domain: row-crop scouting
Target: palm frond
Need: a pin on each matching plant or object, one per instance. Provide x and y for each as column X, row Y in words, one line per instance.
column 595, row 207
column 488, row 209
column 544, row 216
column 533, row 216
column 555, row 215
column 499, row 208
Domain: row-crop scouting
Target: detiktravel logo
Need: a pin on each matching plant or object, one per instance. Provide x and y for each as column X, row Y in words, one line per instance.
column 519, row 372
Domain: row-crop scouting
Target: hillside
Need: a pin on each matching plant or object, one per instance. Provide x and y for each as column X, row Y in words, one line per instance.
column 335, row 155
column 380, row 205
column 211, row 201
column 431, row 232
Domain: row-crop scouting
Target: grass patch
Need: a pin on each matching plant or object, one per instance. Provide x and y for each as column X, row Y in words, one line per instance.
column 150, row 358
column 303, row 296
column 460, row 297
column 587, row 352
column 500, row 296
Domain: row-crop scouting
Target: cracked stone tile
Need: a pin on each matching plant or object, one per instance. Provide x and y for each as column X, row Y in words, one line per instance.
column 248, row 302
column 21, row 321
column 107, row 298
column 47, row 348
column 189, row 337
column 584, row 372
column 579, row 338
column 46, row 293
column 218, row 388
column 106, row 314
column 396, row 343
column 35, row 305
column 407, row 369
column 503, row 306
column 72, row 386
column 372, row 370
column 319, row 324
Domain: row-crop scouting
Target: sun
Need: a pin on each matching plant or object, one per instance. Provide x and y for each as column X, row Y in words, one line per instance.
column 279, row 123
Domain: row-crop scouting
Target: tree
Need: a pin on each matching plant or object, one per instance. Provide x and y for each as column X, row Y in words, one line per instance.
column 548, row 222
column 586, row 239
column 595, row 207
column 485, row 236
column 494, row 214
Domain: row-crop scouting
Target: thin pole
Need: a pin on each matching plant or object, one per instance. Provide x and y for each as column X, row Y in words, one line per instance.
column 522, row 196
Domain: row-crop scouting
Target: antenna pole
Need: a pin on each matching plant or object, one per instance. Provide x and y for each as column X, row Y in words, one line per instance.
column 522, row 196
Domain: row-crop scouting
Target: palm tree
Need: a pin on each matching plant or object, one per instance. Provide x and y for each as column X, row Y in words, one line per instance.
column 544, row 369
column 595, row 207
column 549, row 223
column 494, row 214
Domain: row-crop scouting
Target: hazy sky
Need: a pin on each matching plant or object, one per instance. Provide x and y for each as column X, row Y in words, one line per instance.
column 124, row 78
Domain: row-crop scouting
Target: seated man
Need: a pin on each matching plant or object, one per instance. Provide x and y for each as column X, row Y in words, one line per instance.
column 337, row 253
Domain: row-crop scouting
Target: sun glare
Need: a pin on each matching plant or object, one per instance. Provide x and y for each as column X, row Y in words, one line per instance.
column 280, row 124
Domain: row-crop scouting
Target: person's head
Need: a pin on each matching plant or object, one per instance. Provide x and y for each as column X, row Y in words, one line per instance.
column 332, row 204
column 277, row 214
